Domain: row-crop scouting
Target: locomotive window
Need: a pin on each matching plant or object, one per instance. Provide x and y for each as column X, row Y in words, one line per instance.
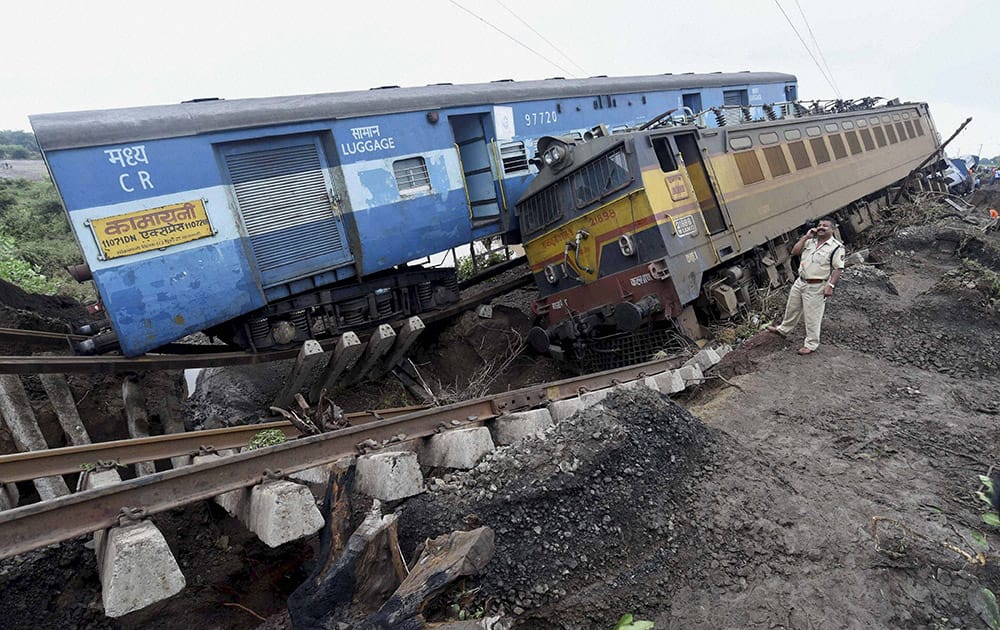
column 909, row 129
column 901, row 131
column 853, row 143
column 664, row 155
column 889, row 131
column 813, row 132
column 539, row 210
column 837, row 142
column 749, row 166
column 411, row 176
column 768, row 138
column 792, row 134
column 918, row 127
column 602, row 176
column 847, row 124
column 740, row 142
column 800, row 157
column 776, row 161
column 819, row 150
column 832, row 127
column 866, row 138
column 879, row 136
column 514, row 158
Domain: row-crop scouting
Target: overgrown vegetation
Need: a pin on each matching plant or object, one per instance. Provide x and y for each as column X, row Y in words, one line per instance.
column 265, row 438
column 35, row 240
column 18, row 145
column 468, row 266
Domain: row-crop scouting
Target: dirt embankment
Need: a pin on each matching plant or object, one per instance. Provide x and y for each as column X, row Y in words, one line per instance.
column 749, row 506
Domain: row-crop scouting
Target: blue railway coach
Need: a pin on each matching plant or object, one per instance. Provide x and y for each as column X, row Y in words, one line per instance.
column 263, row 220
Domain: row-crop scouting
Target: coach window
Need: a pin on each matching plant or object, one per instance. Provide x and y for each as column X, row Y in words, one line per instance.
column 738, row 143
column 832, row 127
column 853, row 142
column 866, row 138
column 895, row 116
column 879, row 136
column 412, row 177
column 768, row 138
column 664, row 155
column 800, row 157
column 901, row 131
column 819, row 150
column 886, row 118
column 749, row 167
column 862, row 122
column 918, row 127
column 847, row 124
column 873, row 120
column 906, row 115
column 776, row 161
column 837, row 142
column 793, row 134
column 889, row 131
column 909, row 129
column 813, row 132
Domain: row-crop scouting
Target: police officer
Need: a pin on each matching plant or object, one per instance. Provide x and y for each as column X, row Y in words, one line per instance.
column 822, row 262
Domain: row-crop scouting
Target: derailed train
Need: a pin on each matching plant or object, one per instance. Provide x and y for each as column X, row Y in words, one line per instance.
column 266, row 221
column 632, row 236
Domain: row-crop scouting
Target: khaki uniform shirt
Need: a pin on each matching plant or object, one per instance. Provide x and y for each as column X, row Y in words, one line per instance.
column 816, row 259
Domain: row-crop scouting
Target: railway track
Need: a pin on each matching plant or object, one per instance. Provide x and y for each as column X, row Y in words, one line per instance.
column 30, row 527
column 189, row 356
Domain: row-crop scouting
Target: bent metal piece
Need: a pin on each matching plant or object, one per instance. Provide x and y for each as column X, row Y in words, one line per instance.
column 39, row 524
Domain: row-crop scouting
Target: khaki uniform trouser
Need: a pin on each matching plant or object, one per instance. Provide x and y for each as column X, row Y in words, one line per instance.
column 805, row 301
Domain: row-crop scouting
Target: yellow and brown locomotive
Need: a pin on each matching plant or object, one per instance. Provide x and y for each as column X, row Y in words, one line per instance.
column 624, row 232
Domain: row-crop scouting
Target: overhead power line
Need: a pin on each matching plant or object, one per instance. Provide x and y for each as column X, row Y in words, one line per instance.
column 806, row 46
column 509, row 36
column 543, row 38
column 818, row 49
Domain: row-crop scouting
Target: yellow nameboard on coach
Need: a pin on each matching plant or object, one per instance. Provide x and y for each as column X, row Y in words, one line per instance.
column 146, row 230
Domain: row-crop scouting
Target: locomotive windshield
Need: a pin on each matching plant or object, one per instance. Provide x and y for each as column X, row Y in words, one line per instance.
column 604, row 175
column 589, row 184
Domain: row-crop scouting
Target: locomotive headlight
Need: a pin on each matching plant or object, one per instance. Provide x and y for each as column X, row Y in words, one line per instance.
column 626, row 243
column 551, row 274
column 554, row 155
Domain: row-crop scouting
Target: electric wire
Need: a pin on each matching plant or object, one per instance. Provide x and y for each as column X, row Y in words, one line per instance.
column 818, row 49
column 509, row 36
column 543, row 38
column 806, row 46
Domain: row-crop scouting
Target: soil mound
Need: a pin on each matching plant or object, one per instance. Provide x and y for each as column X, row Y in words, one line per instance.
column 601, row 500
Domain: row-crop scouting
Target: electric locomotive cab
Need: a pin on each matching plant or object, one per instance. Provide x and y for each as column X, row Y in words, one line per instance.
column 609, row 225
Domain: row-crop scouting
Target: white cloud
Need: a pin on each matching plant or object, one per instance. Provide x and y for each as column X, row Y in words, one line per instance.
column 67, row 55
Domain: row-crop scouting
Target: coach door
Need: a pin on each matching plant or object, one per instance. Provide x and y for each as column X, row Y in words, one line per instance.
column 687, row 145
column 283, row 193
column 472, row 141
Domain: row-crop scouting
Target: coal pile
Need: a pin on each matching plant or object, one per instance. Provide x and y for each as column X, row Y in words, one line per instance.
column 603, row 495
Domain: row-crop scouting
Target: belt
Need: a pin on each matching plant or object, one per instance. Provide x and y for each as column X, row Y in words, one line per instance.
column 812, row 280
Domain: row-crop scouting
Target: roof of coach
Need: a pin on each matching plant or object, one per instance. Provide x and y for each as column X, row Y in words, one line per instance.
column 100, row 127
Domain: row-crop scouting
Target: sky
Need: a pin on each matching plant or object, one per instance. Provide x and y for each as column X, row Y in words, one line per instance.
column 61, row 55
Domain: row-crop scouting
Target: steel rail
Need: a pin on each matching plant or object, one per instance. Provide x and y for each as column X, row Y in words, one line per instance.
column 37, row 525
column 73, row 459
column 209, row 358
